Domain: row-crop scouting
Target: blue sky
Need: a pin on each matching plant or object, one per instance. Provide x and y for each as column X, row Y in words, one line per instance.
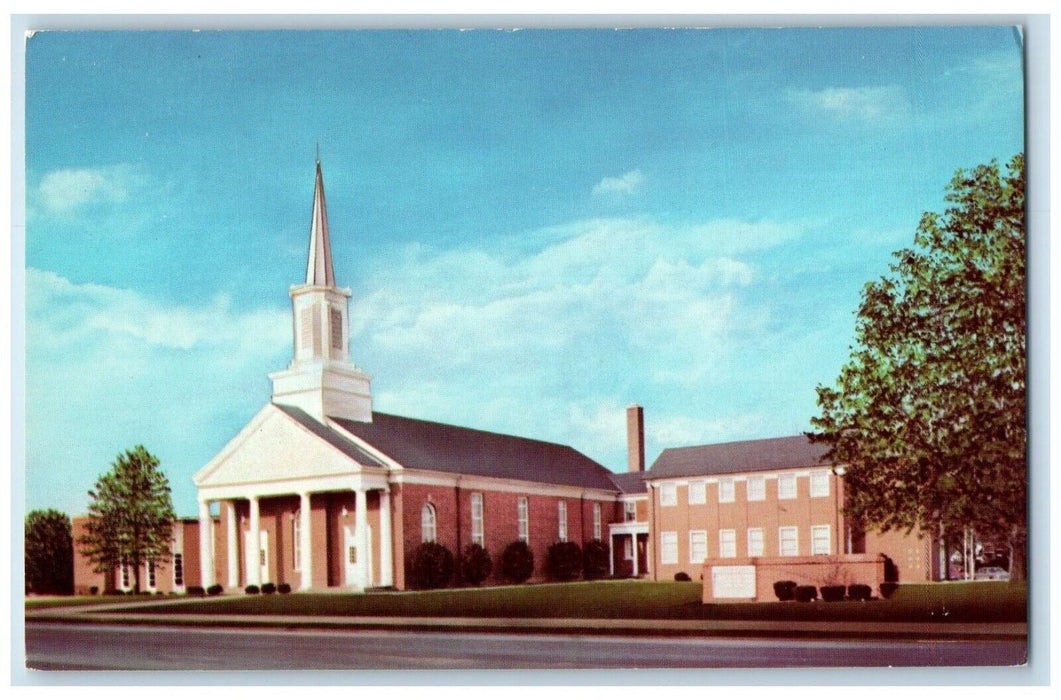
column 539, row 227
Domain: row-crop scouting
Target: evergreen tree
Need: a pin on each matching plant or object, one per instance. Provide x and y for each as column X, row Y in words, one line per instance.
column 49, row 553
column 131, row 515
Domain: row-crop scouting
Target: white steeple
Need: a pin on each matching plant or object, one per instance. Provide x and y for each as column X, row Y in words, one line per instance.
column 321, row 380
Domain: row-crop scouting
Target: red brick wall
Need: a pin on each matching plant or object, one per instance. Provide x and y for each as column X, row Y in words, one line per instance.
column 813, row 571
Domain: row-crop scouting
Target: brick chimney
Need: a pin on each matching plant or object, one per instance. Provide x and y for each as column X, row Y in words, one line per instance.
column 635, row 438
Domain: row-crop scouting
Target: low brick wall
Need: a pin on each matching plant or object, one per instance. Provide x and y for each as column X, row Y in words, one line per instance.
column 752, row 578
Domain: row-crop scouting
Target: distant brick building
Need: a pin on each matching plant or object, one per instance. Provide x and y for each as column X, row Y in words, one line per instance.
column 320, row 491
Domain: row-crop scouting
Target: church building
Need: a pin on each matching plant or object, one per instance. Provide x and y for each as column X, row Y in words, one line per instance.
column 322, row 492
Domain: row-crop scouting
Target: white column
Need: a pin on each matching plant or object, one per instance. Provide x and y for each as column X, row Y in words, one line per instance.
column 386, row 544
column 233, row 547
column 206, row 541
column 361, row 537
column 633, row 538
column 254, row 569
column 611, row 555
column 305, row 542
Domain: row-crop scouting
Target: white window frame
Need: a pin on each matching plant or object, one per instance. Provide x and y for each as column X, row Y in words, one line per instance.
column 478, row 532
column 697, row 546
column 782, row 539
column 628, row 548
column 668, row 547
column 296, row 539
column 523, row 519
column 756, row 488
column 819, row 484
column 668, row 495
column 786, row 487
column 697, row 493
column 821, row 540
column 596, row 521
column 727, row 544
column 756, row 544
column 428, row 523
column 727, row 490
column 629, row 511
column 561, row 520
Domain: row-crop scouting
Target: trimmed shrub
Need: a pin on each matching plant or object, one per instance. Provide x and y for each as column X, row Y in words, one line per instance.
column 269, row 588
column 859, row 591
column 432, row 565
column 196, row 590
column 119, row 592
column 682, row 576
column 564, row 561
column 785, row 590
column 251, row 590
column 805, row 594
column 93, row 590
column 888, row 588
column 476, row 564
column 833, row 594
column 214, row 589
column 517, row 562
column 283, row 588
column 595, row 560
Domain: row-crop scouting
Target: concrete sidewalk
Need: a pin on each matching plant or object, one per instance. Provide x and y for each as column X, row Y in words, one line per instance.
column 107, row 614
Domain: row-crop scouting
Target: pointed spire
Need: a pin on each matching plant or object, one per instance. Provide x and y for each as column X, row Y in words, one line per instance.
column 319, row 272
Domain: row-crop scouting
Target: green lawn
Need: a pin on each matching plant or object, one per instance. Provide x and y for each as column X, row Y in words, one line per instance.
column 986, row 601
column 74, row 601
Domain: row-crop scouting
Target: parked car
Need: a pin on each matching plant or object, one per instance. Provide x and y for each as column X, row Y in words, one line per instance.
column 991, row 573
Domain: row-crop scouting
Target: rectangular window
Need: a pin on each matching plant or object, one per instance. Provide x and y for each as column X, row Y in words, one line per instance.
column 697, row 493
column 178, row 569
column 725, row 491
column 296, row 540
column 477, row 519
column 697, row 546
column 788, row 541
column 521, row 516
column 596, row 521
column 561, row 517
column 819, row 484
column 668, row 548
column 820, row 540
column 727, row 543
column 125, row 575
column 628, row 548
column 151, row 582
column 756, row 488
column 337, row 329
column 786, row 486
column 755, row 542
column 629, row 511
column 668, row 495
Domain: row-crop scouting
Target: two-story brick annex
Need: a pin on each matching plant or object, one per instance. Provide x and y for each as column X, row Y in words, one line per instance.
column 320, row 491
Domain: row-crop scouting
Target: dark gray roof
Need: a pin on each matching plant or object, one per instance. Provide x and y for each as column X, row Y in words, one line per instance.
column 330, row 436
column 630, row 482
column 420, row 444
column 738, row 457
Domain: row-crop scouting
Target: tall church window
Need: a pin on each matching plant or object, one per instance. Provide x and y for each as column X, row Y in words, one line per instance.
column 562, row 520
column 337, row 329
column 596, row 521
column 522, row 520
column 178, row 569
column 477, row 519
column 296, row 539
column 428, row 523
column 151, row 578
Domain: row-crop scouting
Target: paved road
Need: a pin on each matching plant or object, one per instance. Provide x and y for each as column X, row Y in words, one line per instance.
column 106, row 647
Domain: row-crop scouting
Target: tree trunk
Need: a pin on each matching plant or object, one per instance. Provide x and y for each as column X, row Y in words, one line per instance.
column 1017, row 559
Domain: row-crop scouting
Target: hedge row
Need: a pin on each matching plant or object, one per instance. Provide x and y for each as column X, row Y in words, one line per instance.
column 789, row 590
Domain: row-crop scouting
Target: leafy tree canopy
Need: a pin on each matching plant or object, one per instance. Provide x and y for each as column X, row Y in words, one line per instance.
column 49, row 553
column 928, row 415
column 131, row 515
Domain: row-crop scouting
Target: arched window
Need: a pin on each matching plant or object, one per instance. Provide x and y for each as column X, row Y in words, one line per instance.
column 427, row 523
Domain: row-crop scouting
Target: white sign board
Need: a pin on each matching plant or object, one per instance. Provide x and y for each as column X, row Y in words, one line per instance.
column 733, row 581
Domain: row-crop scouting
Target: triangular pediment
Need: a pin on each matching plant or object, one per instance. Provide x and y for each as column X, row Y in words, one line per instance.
column 272, row 447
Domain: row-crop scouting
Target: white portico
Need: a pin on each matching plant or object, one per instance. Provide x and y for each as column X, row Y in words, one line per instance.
column 303, row 501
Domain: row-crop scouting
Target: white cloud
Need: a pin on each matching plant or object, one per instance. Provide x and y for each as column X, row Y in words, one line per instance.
column 862, row 104
column 64, row 191
column 624, row 184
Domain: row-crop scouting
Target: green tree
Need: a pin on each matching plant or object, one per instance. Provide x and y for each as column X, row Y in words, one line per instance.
column 131, row 515
column 49, row 553
column 928, row 414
